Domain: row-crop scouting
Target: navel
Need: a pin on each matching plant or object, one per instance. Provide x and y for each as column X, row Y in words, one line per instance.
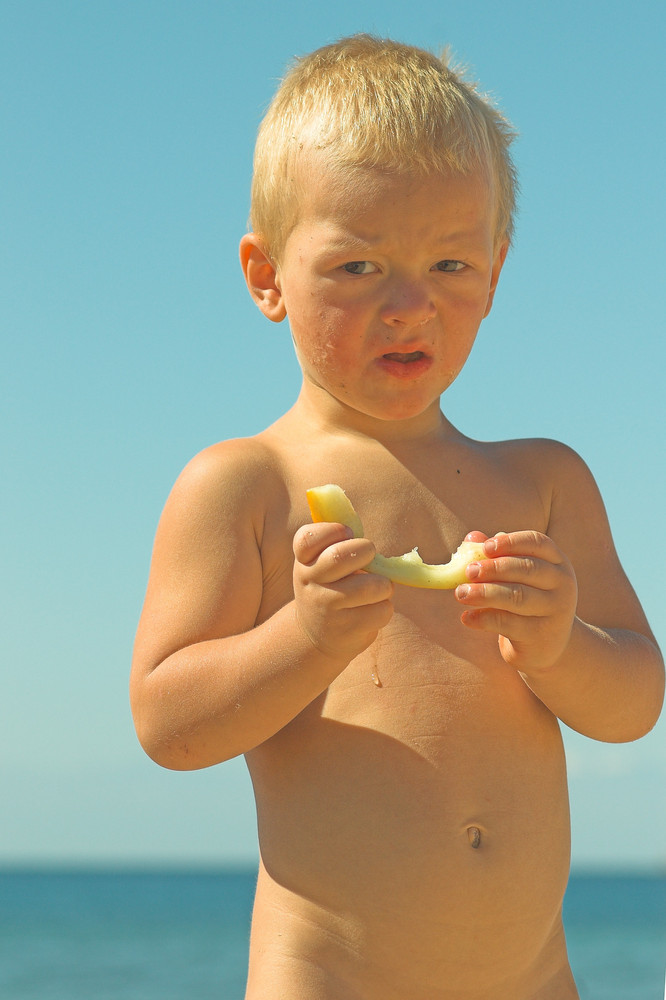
column 474, row 835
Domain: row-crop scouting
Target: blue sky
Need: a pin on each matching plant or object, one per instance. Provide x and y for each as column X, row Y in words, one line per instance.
column 130, row 343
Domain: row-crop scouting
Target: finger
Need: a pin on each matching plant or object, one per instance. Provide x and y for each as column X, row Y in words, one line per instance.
column 517, row 636
column 343, row 559
column 311, row 539
column 475, row 536
column 376, row 614
column 355, row 589
column 524, row 543
column 524, row 644
column 512, row 597
column 334, row 560
column 525, row 570
column 515, row 626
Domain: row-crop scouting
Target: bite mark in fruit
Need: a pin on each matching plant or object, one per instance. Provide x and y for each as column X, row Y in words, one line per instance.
column 330, row 503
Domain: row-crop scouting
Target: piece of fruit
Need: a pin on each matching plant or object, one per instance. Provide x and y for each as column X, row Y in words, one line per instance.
column 330, row 503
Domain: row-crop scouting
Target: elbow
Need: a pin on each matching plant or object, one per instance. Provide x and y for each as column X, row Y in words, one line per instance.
column 168, row 748
column 173, row 753
column 630, row 732
column 640, row 714
column 635, row 726
column 171, row 748
column 651, row 719
column 655, row 700
column 158, row 740
column 155, row 730
column 165, row 750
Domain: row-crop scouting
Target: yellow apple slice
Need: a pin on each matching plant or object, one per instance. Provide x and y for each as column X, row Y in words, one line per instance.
column 330, row 503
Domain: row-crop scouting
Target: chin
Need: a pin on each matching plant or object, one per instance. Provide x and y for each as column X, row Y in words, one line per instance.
column 403, row 410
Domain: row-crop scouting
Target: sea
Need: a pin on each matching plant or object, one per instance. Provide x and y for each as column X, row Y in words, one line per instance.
column 172, row 935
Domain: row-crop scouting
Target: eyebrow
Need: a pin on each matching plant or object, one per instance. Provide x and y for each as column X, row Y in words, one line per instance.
column 347, row 244
column 356, row 248
column 344, row 242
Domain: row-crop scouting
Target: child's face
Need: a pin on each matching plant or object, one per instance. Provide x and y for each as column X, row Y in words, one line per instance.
column 385, row 280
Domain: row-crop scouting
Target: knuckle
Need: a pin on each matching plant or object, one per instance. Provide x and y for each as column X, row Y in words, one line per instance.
column 302, row 540
column 493, row 619
column 336, row 553
column 529, row 566
column 346, row 557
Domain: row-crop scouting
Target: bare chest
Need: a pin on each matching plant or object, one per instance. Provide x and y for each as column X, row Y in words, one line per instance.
column 431, row 509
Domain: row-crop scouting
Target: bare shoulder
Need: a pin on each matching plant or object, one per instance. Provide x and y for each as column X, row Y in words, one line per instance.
column 564, row 478
column 572, row 501
column 541, row 466
column 557, row 471
column 217, row 505
column 547, row 458
column 227, row 478
column 206, row 572
column 578, row 523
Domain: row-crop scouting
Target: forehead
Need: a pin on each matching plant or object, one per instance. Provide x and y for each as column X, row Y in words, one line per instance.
column 359, row 198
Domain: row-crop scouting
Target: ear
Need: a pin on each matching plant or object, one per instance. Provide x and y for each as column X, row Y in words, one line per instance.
column 498, row 263
column 261, row 276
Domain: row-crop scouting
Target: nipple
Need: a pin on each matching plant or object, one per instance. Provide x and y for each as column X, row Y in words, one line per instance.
column 474, row 835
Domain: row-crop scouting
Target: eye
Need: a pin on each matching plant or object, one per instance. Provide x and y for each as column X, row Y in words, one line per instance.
column 359, row 267
column 449, row 265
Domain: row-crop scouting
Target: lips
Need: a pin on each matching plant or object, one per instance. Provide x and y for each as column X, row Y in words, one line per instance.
column 404, row 359
column 407, row 365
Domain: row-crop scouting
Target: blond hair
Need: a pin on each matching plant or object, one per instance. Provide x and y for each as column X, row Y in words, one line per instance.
column 376, row 103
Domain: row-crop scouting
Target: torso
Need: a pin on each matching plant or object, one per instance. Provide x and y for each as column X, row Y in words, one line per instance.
column 413, row 820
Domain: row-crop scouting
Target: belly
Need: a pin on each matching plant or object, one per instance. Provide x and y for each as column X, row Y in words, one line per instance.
column 425, row 800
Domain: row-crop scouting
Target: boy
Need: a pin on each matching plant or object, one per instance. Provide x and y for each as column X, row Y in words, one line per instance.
column 403, row 744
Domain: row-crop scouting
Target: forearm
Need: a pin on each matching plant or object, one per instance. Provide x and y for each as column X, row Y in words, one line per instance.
column 608, row 684
column 216, row 699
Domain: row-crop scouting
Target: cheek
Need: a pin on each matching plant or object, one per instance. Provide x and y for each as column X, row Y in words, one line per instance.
column 466, row 320
column 318, row 326
column 325, row 346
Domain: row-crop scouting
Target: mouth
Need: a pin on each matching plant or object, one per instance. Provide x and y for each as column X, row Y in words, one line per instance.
column 405, row 365
column 404, row 359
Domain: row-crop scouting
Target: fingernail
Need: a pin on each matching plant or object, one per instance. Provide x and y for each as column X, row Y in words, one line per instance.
column 473, row 571
column 462, row 591
column 490, row 546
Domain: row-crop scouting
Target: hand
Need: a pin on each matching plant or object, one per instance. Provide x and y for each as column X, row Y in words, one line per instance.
column 339, row 608
column 525, row 591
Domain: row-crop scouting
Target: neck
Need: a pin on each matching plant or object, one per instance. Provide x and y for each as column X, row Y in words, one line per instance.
column 321, row 413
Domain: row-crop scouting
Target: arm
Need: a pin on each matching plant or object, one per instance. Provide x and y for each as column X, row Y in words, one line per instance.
column 207, row 682
column 571, row 624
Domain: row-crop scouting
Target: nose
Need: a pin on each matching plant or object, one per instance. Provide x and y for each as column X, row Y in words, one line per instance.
column 408, row 303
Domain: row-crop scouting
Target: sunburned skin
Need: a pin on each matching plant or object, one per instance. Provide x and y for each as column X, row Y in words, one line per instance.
column 330, row 503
